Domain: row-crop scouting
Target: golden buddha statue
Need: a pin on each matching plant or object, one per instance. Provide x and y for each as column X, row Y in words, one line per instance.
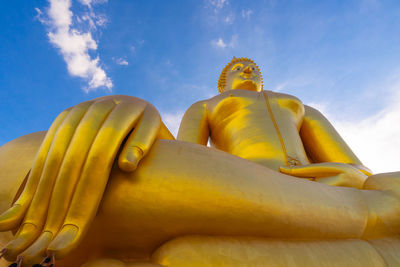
column 107, row 185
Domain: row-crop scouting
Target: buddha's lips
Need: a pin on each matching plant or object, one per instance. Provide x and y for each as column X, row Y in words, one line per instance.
column 247, row 77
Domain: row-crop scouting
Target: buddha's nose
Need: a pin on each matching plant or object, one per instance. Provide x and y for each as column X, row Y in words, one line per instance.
column 247, row 70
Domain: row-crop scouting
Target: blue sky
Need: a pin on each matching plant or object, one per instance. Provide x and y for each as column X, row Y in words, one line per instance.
column 342, row 57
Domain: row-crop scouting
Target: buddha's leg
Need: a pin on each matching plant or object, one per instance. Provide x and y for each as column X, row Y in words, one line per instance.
column 223, row 251
column 117, row 263
column 182, row 188
column 382, row 195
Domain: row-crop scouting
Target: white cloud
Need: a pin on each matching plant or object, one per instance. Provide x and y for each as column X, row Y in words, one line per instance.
column 74, row 44
column 247, row 13
column 172, row 121
column 229, row 19
column 218, row 4
column 90, row 2
column 86, row 2
column 220, row 43
column 374, row 139
column 39, row 15
column 121, row 61
column 281, row 86
column 133, row 49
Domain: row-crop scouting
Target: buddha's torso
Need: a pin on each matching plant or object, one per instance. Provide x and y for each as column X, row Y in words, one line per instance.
column 262, row 127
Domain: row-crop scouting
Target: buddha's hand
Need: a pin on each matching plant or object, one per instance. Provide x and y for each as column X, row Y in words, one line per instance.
column 331, row 173
column 71, row 170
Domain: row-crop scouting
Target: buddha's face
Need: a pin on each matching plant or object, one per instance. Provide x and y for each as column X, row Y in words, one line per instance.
column 243, row 75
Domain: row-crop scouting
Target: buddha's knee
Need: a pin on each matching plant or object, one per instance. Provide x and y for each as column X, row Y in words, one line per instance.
column 105, row 262
column 382, row 195
column 384, row 181
column 253, row 251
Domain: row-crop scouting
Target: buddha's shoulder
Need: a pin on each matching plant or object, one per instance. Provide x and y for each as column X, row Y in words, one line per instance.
column 288, row 101
column 284, row 100
column 283, row 96
column 233, row 95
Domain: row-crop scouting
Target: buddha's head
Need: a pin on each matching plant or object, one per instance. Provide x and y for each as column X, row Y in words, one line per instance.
column 240, row 73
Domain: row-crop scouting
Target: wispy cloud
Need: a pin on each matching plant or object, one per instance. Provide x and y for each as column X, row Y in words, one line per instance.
column 280, row 86
column 74, row 44
column 218, row 4
column 229, row 19
column 122, row 61
column 39, row 15
column 246, row 13
column 220, row 43
column 132, row 48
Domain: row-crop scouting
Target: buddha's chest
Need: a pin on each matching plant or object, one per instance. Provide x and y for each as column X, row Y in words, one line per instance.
column 258, row 126
column 240, row 109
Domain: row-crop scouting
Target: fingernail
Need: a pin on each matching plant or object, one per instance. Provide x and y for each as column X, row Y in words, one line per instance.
column 27, row 233
column 65, row 241
column 134, row 154
column 131, row 160
column 126, row 165
column 11, row 217
column 39, row 246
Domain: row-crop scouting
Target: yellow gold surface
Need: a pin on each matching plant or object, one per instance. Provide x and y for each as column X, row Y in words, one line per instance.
column 279, row 187
column 229, row 251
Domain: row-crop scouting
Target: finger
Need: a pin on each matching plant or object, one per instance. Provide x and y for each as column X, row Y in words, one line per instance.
column 12, row 217
column 333, row 180
column 36, row 214
column 313, row 170
column 140, row 140
column 94, row 177
column 345, row 179
column 68, row 175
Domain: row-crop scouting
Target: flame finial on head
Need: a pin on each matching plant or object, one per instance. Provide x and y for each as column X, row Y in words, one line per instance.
column 222, row 77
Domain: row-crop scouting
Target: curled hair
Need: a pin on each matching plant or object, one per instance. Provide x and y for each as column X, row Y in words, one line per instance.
column 222, row 76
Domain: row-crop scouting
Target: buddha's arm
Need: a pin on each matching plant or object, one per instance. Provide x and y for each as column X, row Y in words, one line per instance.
column 164, row 133
column 324, row 144
column 194, row 125
column 333, row 162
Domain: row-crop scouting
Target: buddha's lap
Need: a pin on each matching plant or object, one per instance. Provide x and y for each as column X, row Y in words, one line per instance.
column 141, row 210
column 133, row 228
column 246, row 251
column 16, row 158
column 180, row 186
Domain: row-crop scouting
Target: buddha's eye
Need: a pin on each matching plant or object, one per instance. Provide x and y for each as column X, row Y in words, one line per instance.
column 238, row 68
column 252, row 68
